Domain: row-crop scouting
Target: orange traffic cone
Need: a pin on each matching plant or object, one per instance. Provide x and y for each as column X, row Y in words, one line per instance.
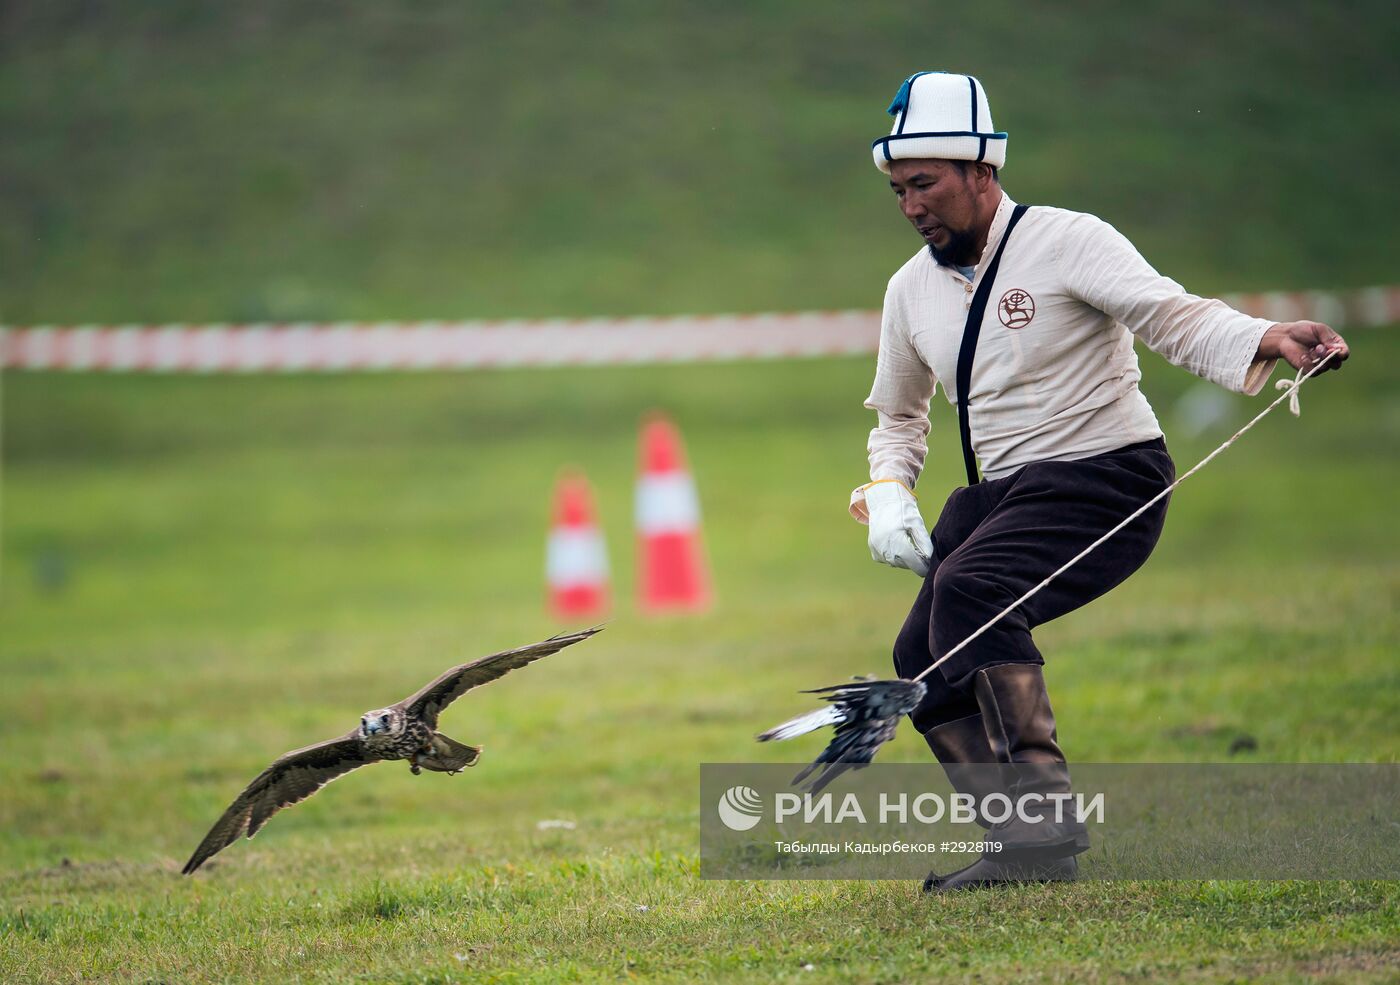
column 672, row 575
column 576, row 559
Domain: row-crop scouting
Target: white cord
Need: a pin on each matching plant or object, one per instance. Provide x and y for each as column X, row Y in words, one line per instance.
column 1291, row 396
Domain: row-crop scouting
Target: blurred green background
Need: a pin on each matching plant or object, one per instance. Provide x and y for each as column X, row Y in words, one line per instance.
column 185, row 161
column 197, row 573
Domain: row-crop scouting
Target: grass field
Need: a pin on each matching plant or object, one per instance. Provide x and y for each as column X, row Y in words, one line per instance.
column 201, row 573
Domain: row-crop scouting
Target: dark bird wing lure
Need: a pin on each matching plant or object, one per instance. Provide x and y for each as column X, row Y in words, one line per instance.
column 407, row 730
column 865, row 713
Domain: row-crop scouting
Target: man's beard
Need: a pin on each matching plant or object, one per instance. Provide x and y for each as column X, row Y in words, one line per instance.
column 960, row 250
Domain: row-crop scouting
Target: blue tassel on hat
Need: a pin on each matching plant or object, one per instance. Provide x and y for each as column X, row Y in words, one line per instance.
column 901, row 98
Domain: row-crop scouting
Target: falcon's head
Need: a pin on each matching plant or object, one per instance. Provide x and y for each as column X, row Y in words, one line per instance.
column 381, row 721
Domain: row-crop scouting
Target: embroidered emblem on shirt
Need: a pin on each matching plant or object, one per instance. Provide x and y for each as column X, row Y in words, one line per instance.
column 1016, row 308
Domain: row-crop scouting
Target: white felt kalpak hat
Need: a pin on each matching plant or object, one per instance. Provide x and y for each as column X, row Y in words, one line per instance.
column 943, row 116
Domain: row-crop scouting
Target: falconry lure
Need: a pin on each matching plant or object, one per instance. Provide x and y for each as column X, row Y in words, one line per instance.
column 865, row 712
column 407, row 730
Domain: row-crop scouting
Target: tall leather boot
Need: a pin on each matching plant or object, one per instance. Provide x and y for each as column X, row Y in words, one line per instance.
column 966, row 755
column 1020, row 727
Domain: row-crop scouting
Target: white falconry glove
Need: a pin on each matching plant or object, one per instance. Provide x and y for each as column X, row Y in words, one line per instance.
column 898, row 536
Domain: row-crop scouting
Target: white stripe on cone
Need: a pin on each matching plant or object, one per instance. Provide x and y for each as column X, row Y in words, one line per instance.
column 576, row 556
column 667, row 503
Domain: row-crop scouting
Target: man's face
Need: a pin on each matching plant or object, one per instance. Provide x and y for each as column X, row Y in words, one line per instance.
column 939, row 200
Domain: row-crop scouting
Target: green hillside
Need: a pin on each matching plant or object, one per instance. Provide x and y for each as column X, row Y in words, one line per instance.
column 205, row 161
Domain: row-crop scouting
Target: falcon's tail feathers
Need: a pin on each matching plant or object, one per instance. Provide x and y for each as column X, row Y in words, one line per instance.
column 449, row 756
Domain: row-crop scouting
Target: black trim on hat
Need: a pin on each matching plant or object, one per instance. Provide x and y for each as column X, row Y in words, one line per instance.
column 884, row 142
column 982, row 144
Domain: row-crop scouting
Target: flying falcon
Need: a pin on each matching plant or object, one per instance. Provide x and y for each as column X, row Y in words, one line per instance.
column 407, row 730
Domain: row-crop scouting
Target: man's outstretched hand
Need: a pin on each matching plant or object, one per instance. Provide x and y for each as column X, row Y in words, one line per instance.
column 1302, row 343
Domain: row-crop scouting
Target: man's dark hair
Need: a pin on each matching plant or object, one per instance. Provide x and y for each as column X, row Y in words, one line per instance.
column 962, row 167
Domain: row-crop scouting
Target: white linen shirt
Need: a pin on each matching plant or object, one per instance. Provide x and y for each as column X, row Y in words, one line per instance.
column 1062, row 385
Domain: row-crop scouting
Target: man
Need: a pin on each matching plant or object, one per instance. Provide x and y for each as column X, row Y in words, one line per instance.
column 1046, row 382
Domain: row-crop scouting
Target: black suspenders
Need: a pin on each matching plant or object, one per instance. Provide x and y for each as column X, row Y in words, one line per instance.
column 969, row 344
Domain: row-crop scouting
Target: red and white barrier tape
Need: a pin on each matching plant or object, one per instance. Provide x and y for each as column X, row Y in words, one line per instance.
column 346, row 347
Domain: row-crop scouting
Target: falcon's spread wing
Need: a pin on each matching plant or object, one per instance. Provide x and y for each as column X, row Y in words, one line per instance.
column 294, row 777
column 428, row 703
column 866, row 714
